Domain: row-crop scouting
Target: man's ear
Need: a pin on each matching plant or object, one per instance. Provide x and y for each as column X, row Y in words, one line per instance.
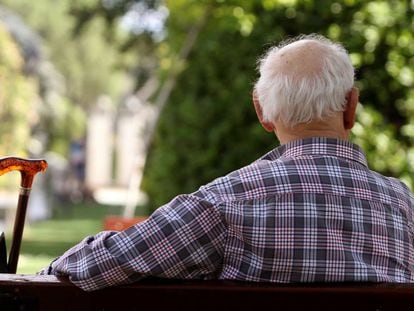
column 268, row 126
column 352, row 99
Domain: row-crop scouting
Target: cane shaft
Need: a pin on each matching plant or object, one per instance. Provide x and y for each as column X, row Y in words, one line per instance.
column 17, row 233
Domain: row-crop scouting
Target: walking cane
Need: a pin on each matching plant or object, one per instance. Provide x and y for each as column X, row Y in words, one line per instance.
column 28, row 169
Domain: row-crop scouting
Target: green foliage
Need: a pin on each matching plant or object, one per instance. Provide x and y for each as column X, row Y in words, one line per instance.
column 209, row 127
column 86, row 67
column 18, row 98
column 86, row 60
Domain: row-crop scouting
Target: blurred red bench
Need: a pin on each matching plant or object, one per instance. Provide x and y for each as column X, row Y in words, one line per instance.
column 119, row 223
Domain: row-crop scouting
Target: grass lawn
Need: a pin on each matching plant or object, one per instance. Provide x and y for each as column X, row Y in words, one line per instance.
column 44, row 241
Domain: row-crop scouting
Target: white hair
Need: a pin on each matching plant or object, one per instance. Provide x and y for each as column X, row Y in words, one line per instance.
column 301, row 99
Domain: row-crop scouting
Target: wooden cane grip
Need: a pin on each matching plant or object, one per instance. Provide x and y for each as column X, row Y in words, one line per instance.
column 27, row 167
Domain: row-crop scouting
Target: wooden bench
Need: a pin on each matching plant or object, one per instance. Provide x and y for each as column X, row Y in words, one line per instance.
column 28, row 292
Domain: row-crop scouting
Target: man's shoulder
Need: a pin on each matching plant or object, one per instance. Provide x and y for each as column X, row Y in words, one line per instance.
column 399, row 186
column 245, row 183
column 275, row 175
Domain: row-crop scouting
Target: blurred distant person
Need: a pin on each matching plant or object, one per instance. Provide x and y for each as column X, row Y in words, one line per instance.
column 77, row 159
column 77, row 163
column 308, row 211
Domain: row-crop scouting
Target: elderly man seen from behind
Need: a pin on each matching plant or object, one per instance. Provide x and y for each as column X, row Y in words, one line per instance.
column 308, row 211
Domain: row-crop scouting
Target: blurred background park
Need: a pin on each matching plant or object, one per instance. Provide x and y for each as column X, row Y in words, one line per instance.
column 135, row 101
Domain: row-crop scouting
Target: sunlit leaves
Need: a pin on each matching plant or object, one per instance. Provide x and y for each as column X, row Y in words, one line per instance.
column 75, row 69
column 245, row 20
column 377, row 138
column 18, row 98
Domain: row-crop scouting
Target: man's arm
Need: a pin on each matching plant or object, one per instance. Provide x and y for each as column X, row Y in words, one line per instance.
column 182, row 239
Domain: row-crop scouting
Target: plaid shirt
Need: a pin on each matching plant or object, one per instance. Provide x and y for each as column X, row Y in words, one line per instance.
column 308, row 211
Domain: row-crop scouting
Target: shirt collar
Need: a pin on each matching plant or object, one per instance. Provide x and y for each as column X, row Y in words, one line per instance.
column 318, row 146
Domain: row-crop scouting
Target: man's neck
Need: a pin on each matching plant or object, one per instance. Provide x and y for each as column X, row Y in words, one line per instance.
column 331, row 129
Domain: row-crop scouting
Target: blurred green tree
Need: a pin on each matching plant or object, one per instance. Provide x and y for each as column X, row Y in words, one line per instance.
column 18, row 98
column 209, row 127
column 87, row 65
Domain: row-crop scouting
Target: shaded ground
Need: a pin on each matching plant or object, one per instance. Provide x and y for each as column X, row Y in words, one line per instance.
column 43, row 241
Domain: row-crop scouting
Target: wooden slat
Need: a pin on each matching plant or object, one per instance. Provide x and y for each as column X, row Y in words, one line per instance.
column 52, row 293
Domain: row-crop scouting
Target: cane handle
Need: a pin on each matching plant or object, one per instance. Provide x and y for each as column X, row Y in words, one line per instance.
column 28, row 168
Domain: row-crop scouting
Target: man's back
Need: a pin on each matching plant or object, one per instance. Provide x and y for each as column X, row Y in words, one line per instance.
column 308, row 211
column 311, row 211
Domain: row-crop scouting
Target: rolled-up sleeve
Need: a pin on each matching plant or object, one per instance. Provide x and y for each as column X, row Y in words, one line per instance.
column 182, row 239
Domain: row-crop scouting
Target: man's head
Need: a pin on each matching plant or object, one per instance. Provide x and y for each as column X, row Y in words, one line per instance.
column 306, row 83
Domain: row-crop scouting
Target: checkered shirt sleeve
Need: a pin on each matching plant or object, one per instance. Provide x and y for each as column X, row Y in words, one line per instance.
column 183, row 239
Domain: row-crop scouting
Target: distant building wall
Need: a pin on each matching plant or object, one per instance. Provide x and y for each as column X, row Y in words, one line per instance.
column 130, row 141
column 99, row 147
